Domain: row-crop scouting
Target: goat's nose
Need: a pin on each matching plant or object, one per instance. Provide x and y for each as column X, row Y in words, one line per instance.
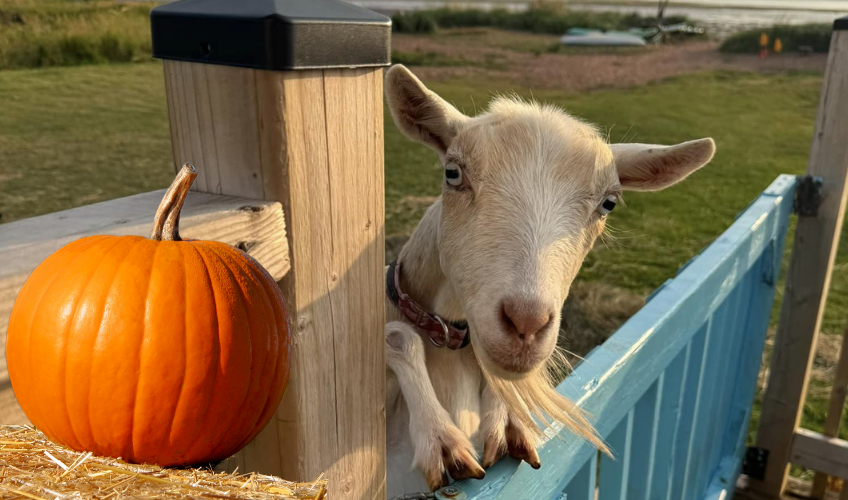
column 524, row 317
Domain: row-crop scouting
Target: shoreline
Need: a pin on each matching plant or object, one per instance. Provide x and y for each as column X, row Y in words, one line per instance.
column 699, row 4
column 720, row 19
column 835, row 7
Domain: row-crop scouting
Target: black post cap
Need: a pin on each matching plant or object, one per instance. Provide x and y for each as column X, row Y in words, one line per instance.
column 271, row 34
column 840, row 24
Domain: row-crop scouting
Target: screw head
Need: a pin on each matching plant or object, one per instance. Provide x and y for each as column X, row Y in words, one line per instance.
column 450, row 491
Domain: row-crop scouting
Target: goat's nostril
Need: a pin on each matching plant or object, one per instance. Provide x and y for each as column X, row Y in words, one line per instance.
column 508, row 325
column 524, row 318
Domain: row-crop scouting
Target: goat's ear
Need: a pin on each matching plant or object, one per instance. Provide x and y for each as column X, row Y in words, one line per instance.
column 648, row 167
column 419, row 113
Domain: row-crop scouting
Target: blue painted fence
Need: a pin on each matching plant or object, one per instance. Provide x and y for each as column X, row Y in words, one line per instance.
column 672, row 390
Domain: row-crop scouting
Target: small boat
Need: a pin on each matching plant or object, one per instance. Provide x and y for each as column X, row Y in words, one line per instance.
column 683, row 28
column 587, row 37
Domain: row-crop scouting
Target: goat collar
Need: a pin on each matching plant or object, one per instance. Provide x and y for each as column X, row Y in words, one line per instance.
column 453, row 335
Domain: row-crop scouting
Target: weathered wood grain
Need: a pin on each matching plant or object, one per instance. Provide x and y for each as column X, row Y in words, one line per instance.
column 834, row 411
column 820, row 453
column 256, row 226
column 312, row 140
column 808, row 281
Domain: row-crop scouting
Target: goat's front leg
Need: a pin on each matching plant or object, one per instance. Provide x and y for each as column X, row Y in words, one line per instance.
column 504, row 435
column 440, row 447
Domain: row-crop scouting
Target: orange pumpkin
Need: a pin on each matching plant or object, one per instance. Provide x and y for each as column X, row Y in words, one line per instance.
column 158, row 350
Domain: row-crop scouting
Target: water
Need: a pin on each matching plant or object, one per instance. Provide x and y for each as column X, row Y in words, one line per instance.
column 719, row 17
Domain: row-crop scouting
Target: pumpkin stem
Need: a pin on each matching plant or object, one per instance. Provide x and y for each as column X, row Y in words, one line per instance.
column 166, row 224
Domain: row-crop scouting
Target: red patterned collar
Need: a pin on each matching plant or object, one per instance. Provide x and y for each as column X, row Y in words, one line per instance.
column 453, row 335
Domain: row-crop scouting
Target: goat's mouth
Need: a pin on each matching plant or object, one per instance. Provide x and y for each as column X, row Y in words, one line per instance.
column 508, row 357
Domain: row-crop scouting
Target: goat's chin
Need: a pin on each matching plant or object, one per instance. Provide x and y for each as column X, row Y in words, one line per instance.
column 514, row 367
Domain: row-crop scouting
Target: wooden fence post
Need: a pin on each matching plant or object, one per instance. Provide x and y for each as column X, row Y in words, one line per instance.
column 813, row 254
column 283, row 101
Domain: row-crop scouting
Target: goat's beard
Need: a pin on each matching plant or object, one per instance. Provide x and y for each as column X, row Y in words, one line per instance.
column 535, row 395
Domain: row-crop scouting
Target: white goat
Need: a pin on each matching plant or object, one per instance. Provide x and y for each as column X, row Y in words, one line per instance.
column 527, row 189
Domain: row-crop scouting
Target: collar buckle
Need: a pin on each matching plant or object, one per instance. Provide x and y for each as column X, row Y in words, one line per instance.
column 446, row 338
column 439, row 332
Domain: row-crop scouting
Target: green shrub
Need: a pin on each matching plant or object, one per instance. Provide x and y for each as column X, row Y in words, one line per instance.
column 414, row 22
column 815, row 36
column 540, row 17
column 38, row 33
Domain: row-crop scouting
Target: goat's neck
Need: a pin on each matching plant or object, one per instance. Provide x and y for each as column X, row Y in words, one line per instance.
column 422, row 277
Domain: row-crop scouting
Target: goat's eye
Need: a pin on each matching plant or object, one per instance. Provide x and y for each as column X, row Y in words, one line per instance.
column 607, row 205
column 453, row 174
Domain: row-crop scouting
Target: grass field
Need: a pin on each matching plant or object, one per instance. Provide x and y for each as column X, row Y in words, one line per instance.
column 78, row 135
column 40, row 33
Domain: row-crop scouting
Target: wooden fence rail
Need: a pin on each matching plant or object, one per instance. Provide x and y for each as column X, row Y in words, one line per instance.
column 834, row 412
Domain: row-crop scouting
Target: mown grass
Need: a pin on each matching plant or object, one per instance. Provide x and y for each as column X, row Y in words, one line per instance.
column 815, row 37
column 73, row 136
column 435, row 58
column 39, row 33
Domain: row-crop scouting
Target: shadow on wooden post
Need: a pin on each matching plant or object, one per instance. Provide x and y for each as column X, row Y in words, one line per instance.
column 813, row 254
column 287, row 106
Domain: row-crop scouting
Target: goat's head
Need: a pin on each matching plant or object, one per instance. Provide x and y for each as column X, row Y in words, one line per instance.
column 527, row 188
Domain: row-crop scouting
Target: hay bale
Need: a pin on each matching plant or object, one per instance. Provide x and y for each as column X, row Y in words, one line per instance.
column 33, row 467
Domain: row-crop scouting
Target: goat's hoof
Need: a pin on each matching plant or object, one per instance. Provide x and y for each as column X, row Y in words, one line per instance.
column 437, row 479
column 450, row 453
column 493, row 450
column 464, row 468
column 520, row 445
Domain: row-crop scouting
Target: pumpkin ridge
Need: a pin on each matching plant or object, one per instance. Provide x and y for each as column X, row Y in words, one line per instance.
column 263, row 278
column 45, row 289
column 69, row 328
column 236, row 284
column 143, row 335
column 48, row 430
column 197, row 428
column 217, row 342
column 282, row 323
column 185, row 346
column 226, row 252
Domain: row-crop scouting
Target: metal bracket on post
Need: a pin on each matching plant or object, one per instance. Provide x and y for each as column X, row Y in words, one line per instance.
column 756, row 460
column 808, row 195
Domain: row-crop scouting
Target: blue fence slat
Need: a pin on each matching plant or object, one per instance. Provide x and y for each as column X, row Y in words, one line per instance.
column 702, row 392
column 683, row 438
column 733, row 356
column 705, row 433
column 611, row 381
column 671, row 404
column 615, row 471
column 645, row 420
column 582, row 486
